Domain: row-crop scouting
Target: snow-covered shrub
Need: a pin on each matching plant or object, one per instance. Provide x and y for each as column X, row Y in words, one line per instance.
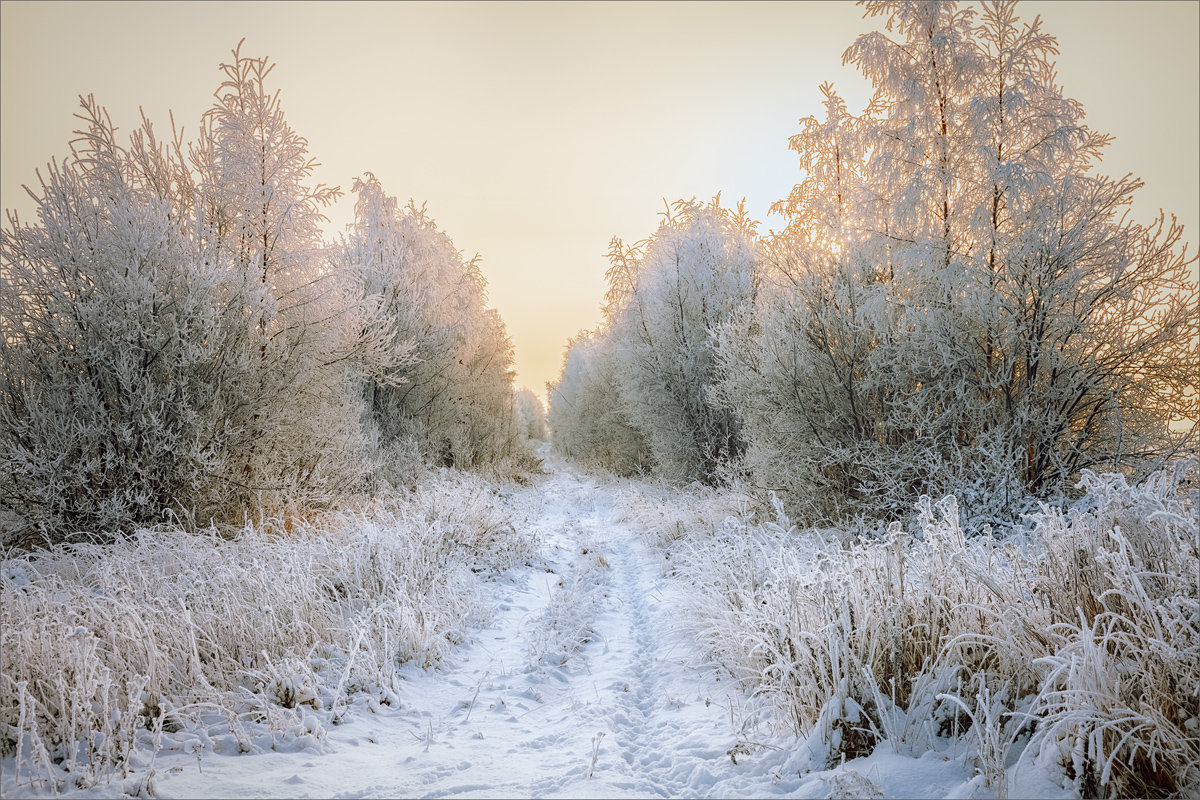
column 145, row 639
column 117, row 342
column 1075, row 642
column 637, row 393
column 805, row 376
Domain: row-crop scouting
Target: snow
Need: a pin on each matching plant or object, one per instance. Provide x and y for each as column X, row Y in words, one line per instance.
column 582, row 684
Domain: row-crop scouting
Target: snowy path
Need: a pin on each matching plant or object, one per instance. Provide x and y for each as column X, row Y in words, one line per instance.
column 578, row 688
column 582, row 685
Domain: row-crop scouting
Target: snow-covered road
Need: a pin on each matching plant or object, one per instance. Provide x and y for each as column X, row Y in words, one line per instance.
column 581, row 686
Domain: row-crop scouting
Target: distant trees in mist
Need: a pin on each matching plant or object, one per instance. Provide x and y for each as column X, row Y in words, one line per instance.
column 638, row 392
column 958, row 301
column 530, row 416
column 176, row 337
column 443, row 383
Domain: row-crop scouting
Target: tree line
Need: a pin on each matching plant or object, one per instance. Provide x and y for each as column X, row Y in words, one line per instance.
column 176, row 336
column 958, row 302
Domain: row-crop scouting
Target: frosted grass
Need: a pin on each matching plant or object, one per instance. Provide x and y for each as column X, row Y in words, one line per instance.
column 1072, row 644
column 252, row 642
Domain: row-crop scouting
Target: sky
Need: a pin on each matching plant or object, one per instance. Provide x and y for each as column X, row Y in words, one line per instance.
column 536, row 132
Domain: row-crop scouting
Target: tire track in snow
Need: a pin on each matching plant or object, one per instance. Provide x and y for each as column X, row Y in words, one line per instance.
column 659, row 746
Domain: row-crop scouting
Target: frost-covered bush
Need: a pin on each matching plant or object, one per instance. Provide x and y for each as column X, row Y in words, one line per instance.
column 1074, row 643
column 118, row 341
column 169, row 635
column 636, row 393
column 175, row 337
column 170, row 341
column 804, row 374
column 665, row 299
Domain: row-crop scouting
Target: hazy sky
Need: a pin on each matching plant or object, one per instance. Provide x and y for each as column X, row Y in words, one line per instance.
column 537, row 131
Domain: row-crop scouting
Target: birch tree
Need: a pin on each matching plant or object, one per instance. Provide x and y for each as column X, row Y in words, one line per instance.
column 261, row 215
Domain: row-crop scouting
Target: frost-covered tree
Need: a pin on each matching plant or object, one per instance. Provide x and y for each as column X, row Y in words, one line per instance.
column 959, row 302
column 1058, row 262
column 586, row 416
column 483, row 391
column 830, row 207
column 666, row 298
column 922, row 80
column 798, row 371
column 254, row 172
column 371, row 262
column 530, row 415
column 176, row 336
column 638, row 393
column 445, row 393
column 195, row 318
column 1044, row 332
column 261, row 216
